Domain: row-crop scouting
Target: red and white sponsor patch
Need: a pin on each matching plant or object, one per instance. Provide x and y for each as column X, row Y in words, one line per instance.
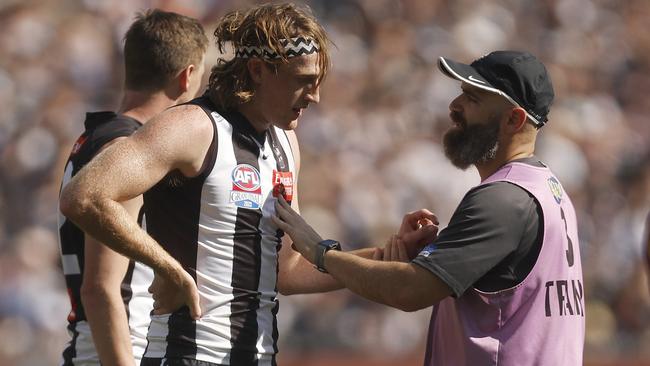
column 283, row 185
column 77, row 145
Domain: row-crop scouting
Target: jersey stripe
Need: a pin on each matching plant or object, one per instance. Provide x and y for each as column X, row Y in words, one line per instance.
column 283, row 164
column 246, row 268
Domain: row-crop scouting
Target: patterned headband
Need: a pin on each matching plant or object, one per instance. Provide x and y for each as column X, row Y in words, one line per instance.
column 293, row 47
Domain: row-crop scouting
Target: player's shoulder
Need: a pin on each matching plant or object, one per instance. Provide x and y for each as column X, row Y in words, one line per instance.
column 183, row 119
column 499, row 188
column 190, row 110
column 181, row 134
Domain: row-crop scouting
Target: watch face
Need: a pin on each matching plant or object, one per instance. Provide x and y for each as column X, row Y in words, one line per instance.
column 331, row 244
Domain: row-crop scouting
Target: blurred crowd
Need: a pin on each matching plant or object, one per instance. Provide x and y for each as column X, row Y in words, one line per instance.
column 370, row 150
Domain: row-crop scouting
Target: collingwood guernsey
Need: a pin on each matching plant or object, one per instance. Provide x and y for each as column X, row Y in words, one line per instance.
column 100, row 129
column 218, row 226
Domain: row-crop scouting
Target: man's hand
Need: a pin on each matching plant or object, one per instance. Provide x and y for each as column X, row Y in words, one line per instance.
column 418, row 229
column 305, row 239
column 170, row 296
column 394, row 251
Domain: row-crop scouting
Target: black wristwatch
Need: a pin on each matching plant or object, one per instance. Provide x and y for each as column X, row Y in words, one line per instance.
column 323, row 247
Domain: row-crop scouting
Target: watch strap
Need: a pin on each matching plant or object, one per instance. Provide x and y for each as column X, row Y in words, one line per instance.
column 321, row 248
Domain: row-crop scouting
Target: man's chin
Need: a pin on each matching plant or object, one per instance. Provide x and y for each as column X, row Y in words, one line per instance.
column 457, row 161
column 464, row 159
column 287, row 126
column 456, row 128
column 291, row 125
column 453, row 148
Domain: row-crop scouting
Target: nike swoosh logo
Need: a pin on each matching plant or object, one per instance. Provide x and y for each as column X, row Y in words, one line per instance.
column 472, row 78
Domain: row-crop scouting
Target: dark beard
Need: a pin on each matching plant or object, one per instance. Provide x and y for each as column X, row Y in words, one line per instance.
column 467, row 145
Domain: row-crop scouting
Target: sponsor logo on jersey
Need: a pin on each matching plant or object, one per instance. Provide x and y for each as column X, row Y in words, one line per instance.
column 283, row 185
column 246, row 199
column 72, row 316
column 246, row 178
column 246, row 187
column 77, row 145
column 556, row 189
column 427, row 250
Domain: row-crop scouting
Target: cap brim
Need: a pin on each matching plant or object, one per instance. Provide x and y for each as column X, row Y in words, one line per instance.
column 466, row 73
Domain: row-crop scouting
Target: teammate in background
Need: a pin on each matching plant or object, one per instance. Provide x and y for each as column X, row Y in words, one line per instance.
column 163, row 57
column 505, row 276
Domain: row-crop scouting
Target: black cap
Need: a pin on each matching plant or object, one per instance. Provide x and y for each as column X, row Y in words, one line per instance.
column 518, row 76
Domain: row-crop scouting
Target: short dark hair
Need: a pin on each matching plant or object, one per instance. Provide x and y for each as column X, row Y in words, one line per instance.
column 158, row 45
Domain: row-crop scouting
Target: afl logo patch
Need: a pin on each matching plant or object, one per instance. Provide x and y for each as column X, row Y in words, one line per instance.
column 246, row 187
column 556, row 189
column 246, row 178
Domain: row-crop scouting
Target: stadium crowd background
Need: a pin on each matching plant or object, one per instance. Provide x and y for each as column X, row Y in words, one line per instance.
column 371, row 152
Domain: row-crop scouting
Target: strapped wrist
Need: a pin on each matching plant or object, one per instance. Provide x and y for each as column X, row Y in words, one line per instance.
column 321, row 248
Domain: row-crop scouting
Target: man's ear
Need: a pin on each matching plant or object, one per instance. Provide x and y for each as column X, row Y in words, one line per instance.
column 516, row 119
column 184, row 78
column 255, row 68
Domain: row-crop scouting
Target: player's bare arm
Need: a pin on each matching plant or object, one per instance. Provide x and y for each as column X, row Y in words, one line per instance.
column 102, row 298
column 297, row 275
column 101, row 294
column 177, row 139
column 405, row 286
column 103, row 305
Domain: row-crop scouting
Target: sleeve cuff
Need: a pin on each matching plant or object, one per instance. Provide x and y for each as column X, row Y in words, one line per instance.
column 455, row 287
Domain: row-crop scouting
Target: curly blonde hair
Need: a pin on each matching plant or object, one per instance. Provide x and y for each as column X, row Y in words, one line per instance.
column 267, row 25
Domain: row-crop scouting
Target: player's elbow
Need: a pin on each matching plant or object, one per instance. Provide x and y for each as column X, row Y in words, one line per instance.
column 74, row 202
